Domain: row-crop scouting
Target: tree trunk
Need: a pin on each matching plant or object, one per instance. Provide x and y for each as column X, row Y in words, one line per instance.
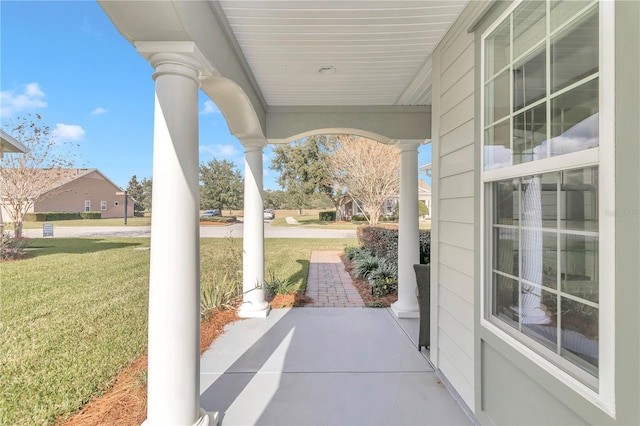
column 17, row 229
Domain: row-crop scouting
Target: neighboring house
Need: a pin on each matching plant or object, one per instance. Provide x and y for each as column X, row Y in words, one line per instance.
column 8, row 144
column 83, row 190
column 532, row 111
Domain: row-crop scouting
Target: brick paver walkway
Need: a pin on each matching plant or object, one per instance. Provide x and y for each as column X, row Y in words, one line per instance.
column 328, row 284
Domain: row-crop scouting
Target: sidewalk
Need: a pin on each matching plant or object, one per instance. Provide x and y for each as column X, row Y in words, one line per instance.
column 329, row 285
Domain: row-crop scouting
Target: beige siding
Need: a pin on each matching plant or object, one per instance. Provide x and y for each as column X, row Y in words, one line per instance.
column 92, row 187
column 454, row 103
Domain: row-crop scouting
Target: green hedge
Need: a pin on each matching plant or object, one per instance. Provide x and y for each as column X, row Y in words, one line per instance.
column 382, row 241
column 358, row 218
column 219, row 219
column 91, row 215
column 50, row 216
column 328, row 216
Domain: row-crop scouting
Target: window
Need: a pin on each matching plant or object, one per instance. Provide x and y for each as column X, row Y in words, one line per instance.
column 87, row 205
column 541, row 179
column 103, row 205
column 116, row 203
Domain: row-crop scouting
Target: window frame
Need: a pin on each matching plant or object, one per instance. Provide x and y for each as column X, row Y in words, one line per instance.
column 87, row 205
column 103, row 205
column 603, row 156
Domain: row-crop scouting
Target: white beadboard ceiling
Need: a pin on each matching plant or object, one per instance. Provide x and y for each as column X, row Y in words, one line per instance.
column 381, row 49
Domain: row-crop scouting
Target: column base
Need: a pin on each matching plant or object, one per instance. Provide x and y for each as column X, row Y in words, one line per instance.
column 206, row 419
column 405, row 311
column 249, row 310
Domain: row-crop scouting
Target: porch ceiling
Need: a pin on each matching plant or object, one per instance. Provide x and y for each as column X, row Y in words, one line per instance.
column 380, row 50
column 269, row 54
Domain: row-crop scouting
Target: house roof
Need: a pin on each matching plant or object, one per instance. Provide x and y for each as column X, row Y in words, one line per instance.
column 9, row 144
column 424, row 186
column 61, row 177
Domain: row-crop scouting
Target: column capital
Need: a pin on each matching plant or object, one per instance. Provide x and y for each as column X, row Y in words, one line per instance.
column 253, row 143
column 408, row 144
column 176, row 57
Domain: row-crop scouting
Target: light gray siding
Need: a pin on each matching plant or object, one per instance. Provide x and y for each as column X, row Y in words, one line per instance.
column 453, row 225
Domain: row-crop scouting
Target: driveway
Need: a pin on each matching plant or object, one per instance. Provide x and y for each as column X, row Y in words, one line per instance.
column 234, row 230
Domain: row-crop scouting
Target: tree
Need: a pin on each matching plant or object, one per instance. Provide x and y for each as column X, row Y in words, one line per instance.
column 30, row 177
column 147, row 186
column 369, row 169
column 141, row 193
column 135, row 191
column 304, row 172
column 221, row 185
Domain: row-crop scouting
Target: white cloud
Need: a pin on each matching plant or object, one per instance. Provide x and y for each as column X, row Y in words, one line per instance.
column 220, row 151
column 68, row 132
column 11, row 102
column 98, row 111
column 210, row 108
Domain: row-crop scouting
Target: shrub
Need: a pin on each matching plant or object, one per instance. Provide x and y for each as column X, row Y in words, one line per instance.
column 382, row 287
column 49, row 216
column 381, row 240
column 424, row 240
column 328, row 216
column 220, row 294
column 364, row 265
column 386, row 270
column 90, row 215
column 423, row 210
column 12, row 248
column 358, row 218
column 274, row 285
column 218, row 219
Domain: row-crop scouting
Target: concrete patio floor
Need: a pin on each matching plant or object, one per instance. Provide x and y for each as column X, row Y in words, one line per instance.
column 327, row 366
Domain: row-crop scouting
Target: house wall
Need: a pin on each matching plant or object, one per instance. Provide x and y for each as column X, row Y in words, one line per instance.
column 453, row 201
column 93, row 187
column 512, row 388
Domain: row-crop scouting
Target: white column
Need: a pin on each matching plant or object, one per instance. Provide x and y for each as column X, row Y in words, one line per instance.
column 253, row 302
column 173, row 393
column 408, row 238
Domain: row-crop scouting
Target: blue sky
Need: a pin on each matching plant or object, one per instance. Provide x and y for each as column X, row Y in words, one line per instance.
column 67, row 62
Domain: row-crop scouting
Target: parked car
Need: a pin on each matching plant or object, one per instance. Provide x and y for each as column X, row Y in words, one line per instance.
column 269, row 214
column 211, row 213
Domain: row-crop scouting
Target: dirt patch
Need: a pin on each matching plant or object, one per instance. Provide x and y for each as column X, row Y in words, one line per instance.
column 365, row 289
column 280, row 301
column 126, row 402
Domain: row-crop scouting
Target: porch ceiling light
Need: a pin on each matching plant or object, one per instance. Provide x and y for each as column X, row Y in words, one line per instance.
column 327, row 69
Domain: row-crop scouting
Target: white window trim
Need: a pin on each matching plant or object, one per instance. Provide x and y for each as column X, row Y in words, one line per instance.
column 103, row 205
column 604, row 157
column 87, row 205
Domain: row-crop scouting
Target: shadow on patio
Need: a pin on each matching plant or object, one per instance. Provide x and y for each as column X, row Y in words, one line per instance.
column 328, row 366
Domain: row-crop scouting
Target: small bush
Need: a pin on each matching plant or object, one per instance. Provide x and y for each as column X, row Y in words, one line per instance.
column 386, row 270
column 358, row 218
column 50, row 216
column 12, row 248
column 218, row 219
column 364, row 265
column 219, row 295
column 382, row 287
column 424, row 240
column 328, row 216
column 274, row 285
column 90, row 215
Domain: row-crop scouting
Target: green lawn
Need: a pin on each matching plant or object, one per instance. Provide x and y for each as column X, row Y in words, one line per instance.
column 75, row 313
column 314, row 222
column 132, row 221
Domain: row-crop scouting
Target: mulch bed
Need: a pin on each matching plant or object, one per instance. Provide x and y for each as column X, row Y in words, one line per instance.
column 126, row 402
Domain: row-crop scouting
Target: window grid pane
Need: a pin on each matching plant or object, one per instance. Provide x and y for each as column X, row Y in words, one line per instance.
column 545, row 277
